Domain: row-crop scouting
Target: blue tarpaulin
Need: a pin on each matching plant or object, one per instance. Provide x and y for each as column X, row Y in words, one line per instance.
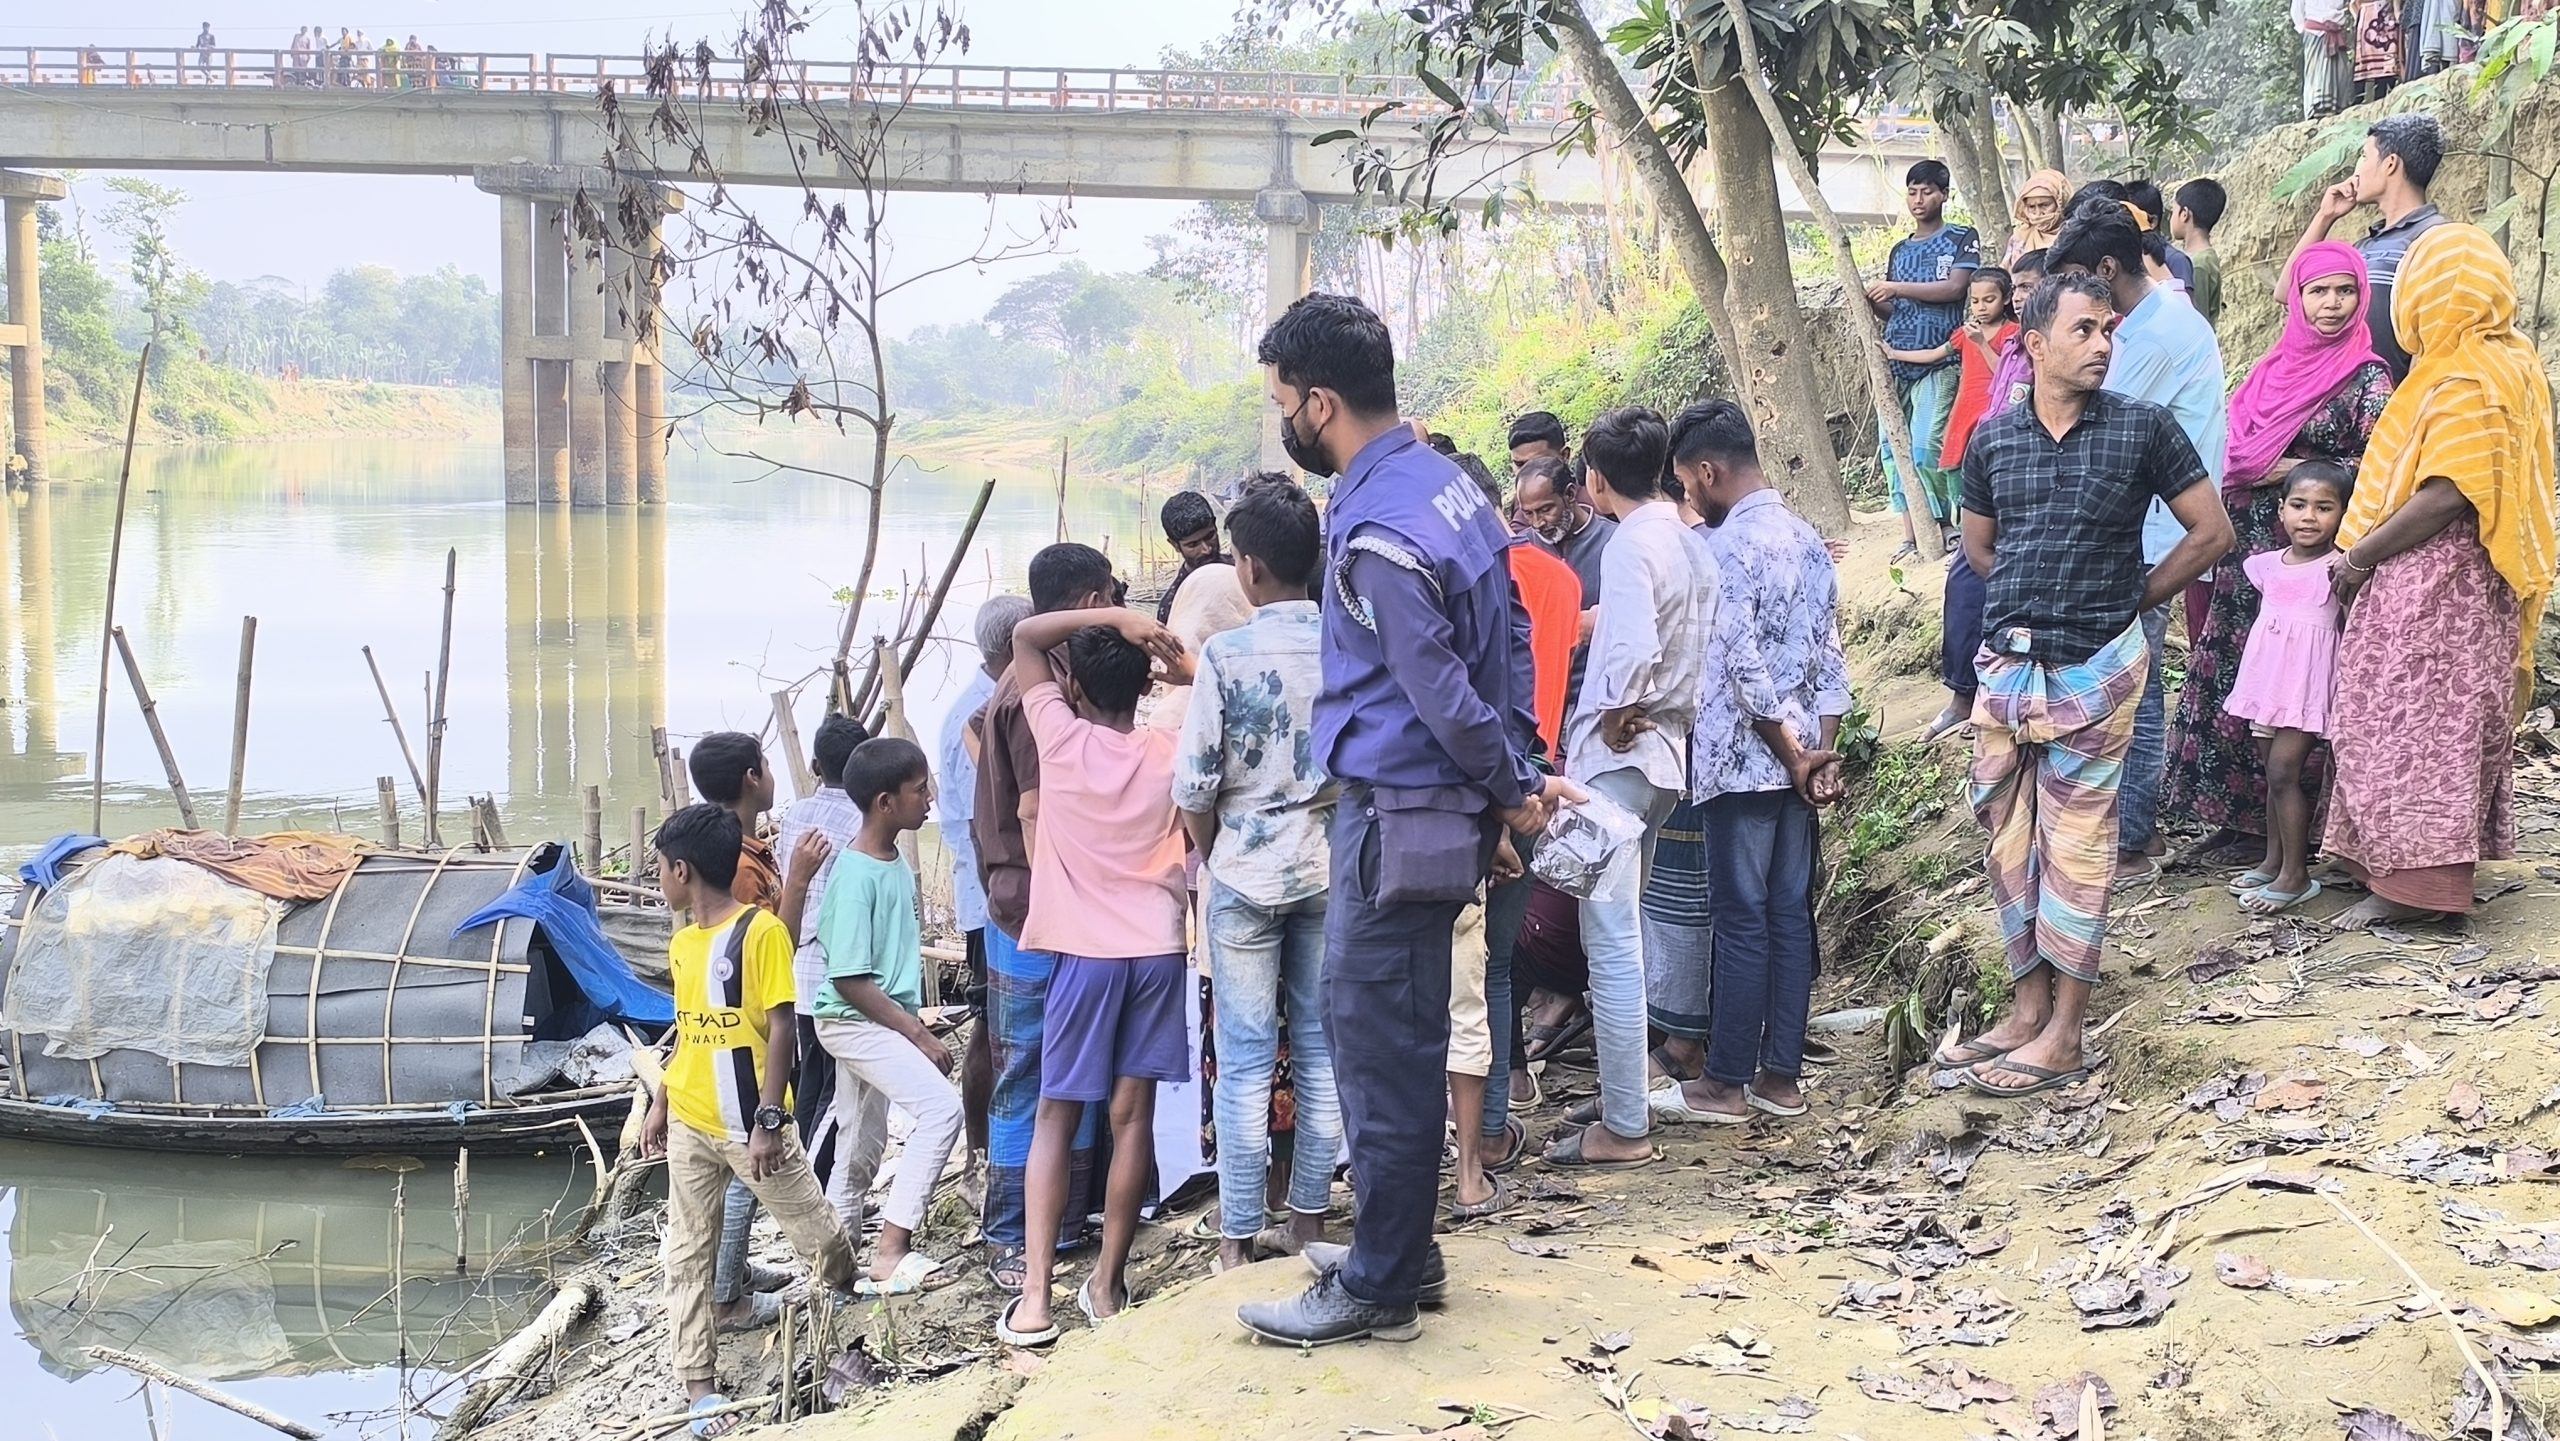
column 560, row 901
column 46, row 869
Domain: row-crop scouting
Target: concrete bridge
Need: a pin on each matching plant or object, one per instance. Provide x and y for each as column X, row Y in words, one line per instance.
column 583, row 399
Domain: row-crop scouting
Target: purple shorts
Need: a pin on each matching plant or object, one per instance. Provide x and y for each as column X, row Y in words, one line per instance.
column 1112, row 1019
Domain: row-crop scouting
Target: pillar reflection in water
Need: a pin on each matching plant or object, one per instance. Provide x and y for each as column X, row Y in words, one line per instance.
column 586, row 662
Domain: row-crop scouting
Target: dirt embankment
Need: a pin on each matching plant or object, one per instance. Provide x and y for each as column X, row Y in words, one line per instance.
column 250, row 408
column 2309, row 1188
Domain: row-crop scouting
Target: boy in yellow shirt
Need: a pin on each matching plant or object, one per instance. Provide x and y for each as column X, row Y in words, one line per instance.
column 720, row 1113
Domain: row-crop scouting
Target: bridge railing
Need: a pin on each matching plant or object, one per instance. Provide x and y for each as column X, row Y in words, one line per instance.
column 1343, row 97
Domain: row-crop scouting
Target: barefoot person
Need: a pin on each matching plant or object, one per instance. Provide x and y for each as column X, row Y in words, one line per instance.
column 2054, row 496
column 1425, row 655
column 2447, row 561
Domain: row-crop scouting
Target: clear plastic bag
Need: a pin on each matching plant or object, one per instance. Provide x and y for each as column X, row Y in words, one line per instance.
column 1586, row 847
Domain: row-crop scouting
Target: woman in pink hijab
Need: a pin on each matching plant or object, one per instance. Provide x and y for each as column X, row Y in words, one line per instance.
column 2314, row 396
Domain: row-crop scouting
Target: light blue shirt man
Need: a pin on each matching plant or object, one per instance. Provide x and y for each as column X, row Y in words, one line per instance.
column 2166, row 353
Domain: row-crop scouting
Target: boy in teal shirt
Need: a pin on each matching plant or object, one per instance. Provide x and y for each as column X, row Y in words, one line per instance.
column 866, row 1016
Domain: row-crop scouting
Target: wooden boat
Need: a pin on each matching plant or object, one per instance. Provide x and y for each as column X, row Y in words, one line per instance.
column 384, row 1031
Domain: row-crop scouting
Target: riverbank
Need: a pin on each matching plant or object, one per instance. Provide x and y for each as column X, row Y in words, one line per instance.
column 2220, row 1229
column 252, row 408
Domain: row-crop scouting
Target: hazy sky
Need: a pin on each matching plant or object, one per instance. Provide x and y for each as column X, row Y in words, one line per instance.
column 302, row 227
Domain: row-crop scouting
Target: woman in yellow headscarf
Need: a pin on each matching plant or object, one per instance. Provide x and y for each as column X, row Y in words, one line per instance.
column 2447, row 561
column 2037, row 217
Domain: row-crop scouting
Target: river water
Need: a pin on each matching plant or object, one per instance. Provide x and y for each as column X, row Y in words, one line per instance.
column 575, row 634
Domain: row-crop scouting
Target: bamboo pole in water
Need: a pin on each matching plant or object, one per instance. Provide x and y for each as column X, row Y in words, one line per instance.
column 386, row 792
column 159, row 737
column 593, row 805
column 152, row 1371
column 436, row 714
column 1062, row 490
column 932, row 611
column 639, row 843
column 240, row 726
column 115, row 564
column 391, row 713
column 786, row 736
column 462, row 1210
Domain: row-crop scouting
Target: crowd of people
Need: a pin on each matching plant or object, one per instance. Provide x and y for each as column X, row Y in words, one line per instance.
column 352, row 61
column 1309, row 795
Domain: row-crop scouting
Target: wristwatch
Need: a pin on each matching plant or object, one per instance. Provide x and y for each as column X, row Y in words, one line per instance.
column 770, row 1118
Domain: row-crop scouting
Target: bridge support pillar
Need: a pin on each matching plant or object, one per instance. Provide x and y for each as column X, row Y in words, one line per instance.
column 586, row 368
column 1288, row 218
column 550, row 373
column 621, row 414
column 515, row 347
column 648, row 380
column 20, row 193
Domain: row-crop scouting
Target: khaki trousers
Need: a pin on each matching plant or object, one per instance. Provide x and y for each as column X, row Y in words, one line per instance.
column 699, row 1166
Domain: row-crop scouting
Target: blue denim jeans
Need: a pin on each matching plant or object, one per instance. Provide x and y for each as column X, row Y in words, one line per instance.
column 737, row 1218
column 1761, row 850
column 1613, row 939
column 1258, row 955
column 2138, row 802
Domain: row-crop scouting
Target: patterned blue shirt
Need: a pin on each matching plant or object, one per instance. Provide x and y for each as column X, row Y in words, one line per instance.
column 1248, row 752
column 1926, row 260
column 955, row 796
column 1775, row 652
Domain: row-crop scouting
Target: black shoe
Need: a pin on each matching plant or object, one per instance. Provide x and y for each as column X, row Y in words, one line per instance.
column 1323, row 1256
column 1325, row 1313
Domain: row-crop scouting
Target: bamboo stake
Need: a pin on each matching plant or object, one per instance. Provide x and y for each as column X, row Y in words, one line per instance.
column 933, row 606
column 240, row 726
column 436, row 714
column 786, row 734
column 680, row 778
column 593, row 801
column 391, row 713
column 462, row 1209
column 639, row 843
column 115, row 564
column 666, row 778
column 151, row 723
column 152, row 1371
column 1062, row 490
column 387, row 796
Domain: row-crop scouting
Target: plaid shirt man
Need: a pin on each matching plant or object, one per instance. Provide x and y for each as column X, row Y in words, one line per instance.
column 2068, row 573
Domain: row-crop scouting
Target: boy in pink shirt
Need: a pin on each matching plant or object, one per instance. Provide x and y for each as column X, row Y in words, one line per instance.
column 1108, row 898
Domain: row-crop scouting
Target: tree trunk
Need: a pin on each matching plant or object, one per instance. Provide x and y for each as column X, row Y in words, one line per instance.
column 1986, row 143
column 1880, row 387
column 2049, row 136
column 1770, row 347
column 1977, row 177
column 1795, row 446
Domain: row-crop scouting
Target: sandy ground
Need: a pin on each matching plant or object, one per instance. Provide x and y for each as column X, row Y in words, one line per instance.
column 1908, row 1261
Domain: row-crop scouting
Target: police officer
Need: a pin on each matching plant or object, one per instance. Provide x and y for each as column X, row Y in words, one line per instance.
column 1426, row 680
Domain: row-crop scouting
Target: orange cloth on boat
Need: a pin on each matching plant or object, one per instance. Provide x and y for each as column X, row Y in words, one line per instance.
column 288, row 866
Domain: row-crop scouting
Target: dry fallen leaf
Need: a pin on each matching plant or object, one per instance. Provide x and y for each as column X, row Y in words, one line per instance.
column 2521, row 1309
column 2463, row 1103
column 2293, row 1093
column 2245, row 1273
column 2346, row 1331
column 2370, row 1425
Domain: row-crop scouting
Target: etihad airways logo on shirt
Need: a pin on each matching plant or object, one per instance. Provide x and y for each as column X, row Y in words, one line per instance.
column 1457, row 501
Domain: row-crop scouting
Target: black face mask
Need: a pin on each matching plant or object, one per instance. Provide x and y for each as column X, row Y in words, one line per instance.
column 1306, row 455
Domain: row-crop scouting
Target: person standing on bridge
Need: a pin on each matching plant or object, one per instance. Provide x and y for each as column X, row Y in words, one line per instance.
column 205, row 46
column 1426, row 663
column 301, row 49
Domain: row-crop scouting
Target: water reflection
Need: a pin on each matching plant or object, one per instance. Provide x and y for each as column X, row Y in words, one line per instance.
column 227, row 1269
column 575, row 632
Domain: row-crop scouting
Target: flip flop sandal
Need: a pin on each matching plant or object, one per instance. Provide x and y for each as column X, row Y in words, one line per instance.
column 1548, row 1042
column 1206, row 1226
column 914, row 1272
column 1943, row 726
column 1567, row 1155
column 1670, row 1103
column 1584, row 1113
column 2268, row 901
column 1518, row 1135
column 1980, row 1053
column 763, row 1309
column 766, row 1278
column 1767, row 1107
column 2044, row 1080
column 703, row 1426
column 2256, row 878
column 1027, row 1340
column 1662, row 1063
column 2149, row 873
column 1537, row 1094
column 1462, row 1212
column 1084, row 1302
column 1006, row 1270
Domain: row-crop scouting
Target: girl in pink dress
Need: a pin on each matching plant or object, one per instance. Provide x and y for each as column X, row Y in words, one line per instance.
column 2286, row 672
